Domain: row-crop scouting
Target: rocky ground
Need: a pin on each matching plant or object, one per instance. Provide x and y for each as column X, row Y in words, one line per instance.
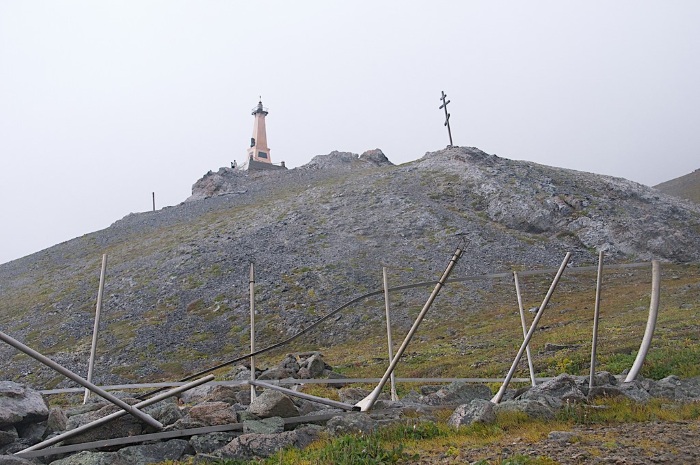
column 259, row 427
column 647, row 443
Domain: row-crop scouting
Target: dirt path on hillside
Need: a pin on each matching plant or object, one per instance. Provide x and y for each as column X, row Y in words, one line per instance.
column 621, row 444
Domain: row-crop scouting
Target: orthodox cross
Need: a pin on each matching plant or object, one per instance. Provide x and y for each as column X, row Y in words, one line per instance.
column 447, row 115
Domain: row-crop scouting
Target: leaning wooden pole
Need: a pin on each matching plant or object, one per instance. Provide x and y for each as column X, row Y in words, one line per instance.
column 596, row 316
column 367, row 403
column 117, row 414
column 144, row 417
column 499, row 395
column 521, row 310
column 98, row 309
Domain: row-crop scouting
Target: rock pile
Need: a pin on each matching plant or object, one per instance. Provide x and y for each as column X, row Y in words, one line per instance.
column 273, row 420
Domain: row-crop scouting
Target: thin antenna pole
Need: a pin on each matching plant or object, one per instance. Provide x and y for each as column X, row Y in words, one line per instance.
column 153, row 194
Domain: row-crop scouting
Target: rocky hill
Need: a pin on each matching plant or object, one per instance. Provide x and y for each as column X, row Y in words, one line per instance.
column 176, row 297
column 685, row 187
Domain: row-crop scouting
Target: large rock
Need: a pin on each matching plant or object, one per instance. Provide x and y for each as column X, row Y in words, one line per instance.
column 457, row 393
column 276, row 373
column 674, row 388
column 208, row 443
column 197, row 394
column 8, row 435
column 477, row 411
column 56, row 421
column 126, row 425
column 166, row 412
column 12, row 460
column 20, row 404
column 315, row 365
column 556, row 392
column 213, row 413
column 532, row 408
column 352, row 395
column 289, row 363
column 265, row 426
column 273, row 404
column 352, row 423
column 228, row 394
column 635, row 391
column 153, row 453
column 249, row 446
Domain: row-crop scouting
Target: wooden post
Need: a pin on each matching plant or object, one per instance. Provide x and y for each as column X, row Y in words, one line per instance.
column 596, row 314
column 392, row 379
column 98, row 308
column 252, row 329
column 521, row 309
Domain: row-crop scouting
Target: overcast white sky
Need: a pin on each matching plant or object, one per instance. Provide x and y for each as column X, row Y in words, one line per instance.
column 104, row 102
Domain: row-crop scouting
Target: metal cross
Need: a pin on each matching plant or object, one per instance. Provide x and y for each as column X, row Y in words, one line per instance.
column 447, row 115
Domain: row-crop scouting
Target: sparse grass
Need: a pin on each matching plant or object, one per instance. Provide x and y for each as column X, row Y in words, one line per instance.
column 414, row 440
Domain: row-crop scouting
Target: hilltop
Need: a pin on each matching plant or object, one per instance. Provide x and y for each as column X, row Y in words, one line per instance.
column 685, row 187
column 176, row 297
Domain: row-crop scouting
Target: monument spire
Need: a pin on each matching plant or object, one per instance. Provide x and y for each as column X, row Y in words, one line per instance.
column 258, row 150
column 258, row 154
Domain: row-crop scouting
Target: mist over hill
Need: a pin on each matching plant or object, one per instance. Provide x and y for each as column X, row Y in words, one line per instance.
column 176, row 295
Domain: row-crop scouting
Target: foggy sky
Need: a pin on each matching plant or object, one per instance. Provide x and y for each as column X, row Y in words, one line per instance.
column 103, row 103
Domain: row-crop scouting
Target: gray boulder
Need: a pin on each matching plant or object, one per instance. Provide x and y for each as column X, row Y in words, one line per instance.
column 597, row 392
column 153, row 453
column 56, row 421
column 249, row 446
column 198, row 394
column 532, row 408
column 167, row 411
column 635, row 391
column 32, row 433
column 352, row 423
column 265, row 426
column 273, row 404
column 352, row 395
column 604, row 378
column 457, row 393
column 477, row 411
column 228, row 394
column 315, row 365
column 674, row 388
column 13, row 460
column 20, row 404
column 126, row 425
column 289, row 363
column 375, row 157
column 556, row 392
column 276, row 373
column 8, row 435
column 208, row 443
